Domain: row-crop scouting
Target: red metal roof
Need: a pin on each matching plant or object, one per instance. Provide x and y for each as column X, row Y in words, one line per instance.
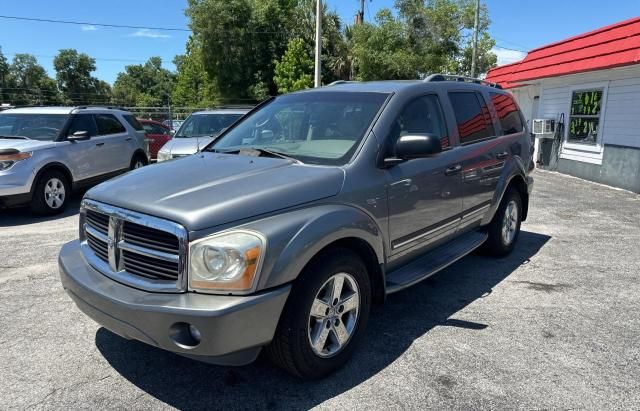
column 608, row 47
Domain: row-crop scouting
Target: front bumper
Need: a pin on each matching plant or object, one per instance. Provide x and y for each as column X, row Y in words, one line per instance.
column 233, row 328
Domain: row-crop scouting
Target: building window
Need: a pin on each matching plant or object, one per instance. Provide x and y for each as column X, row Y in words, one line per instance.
column 584, row 117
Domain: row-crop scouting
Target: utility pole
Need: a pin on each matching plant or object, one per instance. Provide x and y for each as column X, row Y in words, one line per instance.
column 474, row 55
column 318, row 79
column 360, row 17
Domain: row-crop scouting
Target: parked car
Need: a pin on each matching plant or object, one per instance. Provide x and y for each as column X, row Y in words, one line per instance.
column 198, row 130
column 157, row 134
column 174, row 125
column 46, row 152
column 282, row 233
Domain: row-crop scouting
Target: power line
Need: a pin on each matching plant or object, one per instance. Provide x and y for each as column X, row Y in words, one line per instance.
column 122, row 26
column 95, row 58
column 84, row 23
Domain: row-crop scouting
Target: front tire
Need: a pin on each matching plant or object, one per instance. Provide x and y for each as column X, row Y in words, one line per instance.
column 51, row 193
column 504, row 229
column 325, row 316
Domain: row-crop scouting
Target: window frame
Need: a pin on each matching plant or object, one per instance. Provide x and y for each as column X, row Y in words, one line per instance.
column 598, row 147
column 73, row 119
column 95, row 119
column 491, row 123
column 390, row 148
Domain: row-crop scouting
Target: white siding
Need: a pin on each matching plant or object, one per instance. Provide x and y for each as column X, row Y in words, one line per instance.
column 621, row 123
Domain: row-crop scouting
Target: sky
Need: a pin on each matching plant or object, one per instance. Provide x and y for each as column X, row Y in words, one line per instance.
column 517, row 26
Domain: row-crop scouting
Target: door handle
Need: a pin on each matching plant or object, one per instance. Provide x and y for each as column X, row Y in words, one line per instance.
column 503, row 155
column 128, row 139
column 99, row 144
column 453, row 170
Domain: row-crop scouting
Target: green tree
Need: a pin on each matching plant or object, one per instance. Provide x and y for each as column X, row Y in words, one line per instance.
column 295, row 70
column 192, row 86
column 4, row 78
column 146, row 85
column 426, row 36
column 30, row 83
column 73, row 74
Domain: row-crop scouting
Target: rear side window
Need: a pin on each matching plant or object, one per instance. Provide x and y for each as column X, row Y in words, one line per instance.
column 82, row 122
column 472, row 117
column 422, row 116
column 508, row 113
column 133, row 122
column 108, row 124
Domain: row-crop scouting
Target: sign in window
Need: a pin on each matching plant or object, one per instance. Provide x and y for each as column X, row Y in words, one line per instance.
column 584, row 119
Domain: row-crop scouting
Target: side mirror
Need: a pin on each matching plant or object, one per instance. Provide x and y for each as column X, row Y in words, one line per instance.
column 172, row 132
column 79, row 136
column 413, row 146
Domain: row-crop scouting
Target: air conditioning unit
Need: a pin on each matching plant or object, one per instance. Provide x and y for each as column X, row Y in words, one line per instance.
column 542, row 126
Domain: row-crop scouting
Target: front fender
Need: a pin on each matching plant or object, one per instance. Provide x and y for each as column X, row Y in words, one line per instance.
column 295, row 237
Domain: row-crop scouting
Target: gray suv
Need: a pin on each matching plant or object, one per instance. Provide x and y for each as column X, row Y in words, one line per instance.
column 299, row 217
column 46, row 152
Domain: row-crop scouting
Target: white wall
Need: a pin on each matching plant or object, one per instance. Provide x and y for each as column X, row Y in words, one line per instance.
column 620, row 124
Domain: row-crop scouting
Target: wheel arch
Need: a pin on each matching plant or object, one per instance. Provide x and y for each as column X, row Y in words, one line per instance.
column 53, row 166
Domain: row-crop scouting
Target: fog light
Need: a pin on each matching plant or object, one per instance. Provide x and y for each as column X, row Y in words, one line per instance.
column 195, row 333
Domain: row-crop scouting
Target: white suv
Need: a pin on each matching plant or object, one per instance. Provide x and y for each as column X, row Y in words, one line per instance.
column 46, row 152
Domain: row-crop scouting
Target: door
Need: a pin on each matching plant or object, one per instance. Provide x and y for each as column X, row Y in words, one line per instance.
column 483, row 154
column 115, row 140
column 423, row 194
column 83, row 156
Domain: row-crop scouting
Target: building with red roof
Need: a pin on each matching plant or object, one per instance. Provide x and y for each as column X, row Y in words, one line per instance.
column 590, row 85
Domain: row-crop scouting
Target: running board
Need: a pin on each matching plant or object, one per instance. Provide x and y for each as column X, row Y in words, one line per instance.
column 434, row 261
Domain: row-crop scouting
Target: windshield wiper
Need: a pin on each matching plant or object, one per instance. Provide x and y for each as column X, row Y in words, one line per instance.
column 16, row 137
column 263, row 151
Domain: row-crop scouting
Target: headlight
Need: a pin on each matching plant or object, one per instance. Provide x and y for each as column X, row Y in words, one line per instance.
column 226, row 262
column 164, row 155
column 10, row 157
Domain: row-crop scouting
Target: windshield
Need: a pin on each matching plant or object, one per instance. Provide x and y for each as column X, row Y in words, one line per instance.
column 318, row 128
column 200, row 125
column 43, row 127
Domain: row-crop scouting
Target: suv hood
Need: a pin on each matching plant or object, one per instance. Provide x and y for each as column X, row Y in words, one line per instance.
column 210, row 189
column 184, row 146
column 25, row 145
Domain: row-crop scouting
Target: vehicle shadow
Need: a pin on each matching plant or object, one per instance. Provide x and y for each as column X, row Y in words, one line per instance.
column 407, row 315
column 12, row 217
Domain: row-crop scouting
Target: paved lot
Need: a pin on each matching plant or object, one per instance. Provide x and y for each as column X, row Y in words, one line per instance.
column 555, row 325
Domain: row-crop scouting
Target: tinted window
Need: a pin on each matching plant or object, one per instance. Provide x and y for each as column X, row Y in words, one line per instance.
column 423, row 115
column 319, row 128
column 508, row 113
column 472, row 117
column 82, row 122
column 108, row 124
column 133, row 122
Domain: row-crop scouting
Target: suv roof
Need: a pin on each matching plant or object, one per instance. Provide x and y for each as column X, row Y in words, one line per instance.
column 63, row 110
column 391, row 86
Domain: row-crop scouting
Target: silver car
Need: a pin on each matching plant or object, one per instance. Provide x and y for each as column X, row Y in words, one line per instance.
column 46, row 152
column 198, row 130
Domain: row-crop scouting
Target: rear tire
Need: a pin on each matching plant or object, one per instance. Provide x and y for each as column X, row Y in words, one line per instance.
column 51, row 193
column 138, row 161
column 314, row 343
column 504, row 229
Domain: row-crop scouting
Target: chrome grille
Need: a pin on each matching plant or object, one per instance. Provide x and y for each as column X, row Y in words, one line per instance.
column 139, row 250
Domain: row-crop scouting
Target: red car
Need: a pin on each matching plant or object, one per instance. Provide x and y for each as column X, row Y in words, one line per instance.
column 157, row 134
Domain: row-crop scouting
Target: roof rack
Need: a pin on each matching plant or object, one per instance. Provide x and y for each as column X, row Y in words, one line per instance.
column 451, row 77
column 335, row 83
column 85, row 106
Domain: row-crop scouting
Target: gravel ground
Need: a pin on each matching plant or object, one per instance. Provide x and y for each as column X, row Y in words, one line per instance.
column 554, row 325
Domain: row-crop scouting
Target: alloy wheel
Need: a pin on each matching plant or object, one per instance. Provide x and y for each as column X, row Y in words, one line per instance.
column 54, row 193
column 334, row 315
